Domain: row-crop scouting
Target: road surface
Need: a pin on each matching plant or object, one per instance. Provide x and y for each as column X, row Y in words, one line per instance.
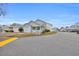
column 60, row 44
column 3, row 38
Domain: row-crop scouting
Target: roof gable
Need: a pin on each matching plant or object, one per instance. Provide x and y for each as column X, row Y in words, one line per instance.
column 16, row 25
column 31, row 23
column 42, row 22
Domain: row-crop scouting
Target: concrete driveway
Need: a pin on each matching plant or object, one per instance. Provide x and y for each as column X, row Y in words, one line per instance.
column 60, row 44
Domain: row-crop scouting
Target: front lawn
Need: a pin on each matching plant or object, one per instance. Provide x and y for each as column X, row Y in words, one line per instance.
column 24, row 34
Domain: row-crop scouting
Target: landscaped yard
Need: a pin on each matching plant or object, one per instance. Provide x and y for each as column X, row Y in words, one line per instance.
column 23, row 34
column 31, row 34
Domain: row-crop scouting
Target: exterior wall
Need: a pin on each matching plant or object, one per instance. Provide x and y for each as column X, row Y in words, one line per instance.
column 1, row 30
column 40, row 22
column 55, row 30
column 15, row 29
column 27, row 29
column 45, row 25
column 5, row 28
column 49, row 27
column 37, row 31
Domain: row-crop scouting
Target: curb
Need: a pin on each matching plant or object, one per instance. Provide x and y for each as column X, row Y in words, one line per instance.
column 5, row 42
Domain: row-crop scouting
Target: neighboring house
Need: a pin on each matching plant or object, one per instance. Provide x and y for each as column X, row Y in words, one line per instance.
column 74, row 28
column 4, row 28
column 15, row 27
column 62, row 29
column 55, row 29
column 1, row 28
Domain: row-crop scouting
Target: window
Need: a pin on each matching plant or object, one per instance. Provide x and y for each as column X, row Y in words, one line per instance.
column 38, row 28
column 33, row 28
column 11, row 27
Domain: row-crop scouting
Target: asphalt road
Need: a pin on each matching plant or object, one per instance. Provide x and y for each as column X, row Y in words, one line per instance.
column 60, row 44
column 3, row 38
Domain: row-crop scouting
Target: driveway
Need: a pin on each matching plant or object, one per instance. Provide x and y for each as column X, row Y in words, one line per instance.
column 60, row 44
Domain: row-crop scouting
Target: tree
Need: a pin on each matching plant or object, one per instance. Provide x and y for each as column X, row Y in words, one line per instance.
column 21, row 29
column 2, row 9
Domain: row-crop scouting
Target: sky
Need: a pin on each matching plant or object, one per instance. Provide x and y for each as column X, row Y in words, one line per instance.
column 58, row 14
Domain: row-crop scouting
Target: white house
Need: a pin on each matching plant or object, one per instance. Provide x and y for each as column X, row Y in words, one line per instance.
column 37, row 26
column 73, row 28
column 44, row 25
column 32, row 27
column 4, row 28
column 15, row 27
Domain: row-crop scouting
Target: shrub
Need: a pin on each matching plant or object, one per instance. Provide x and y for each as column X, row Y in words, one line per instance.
column 11, row 31
column 21, row 29
column 46, row 30
column 8, row 30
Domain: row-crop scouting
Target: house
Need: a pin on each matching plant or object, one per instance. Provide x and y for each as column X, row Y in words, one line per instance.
column 1, row 28
column 74, row 28
column 15, row 27
column 37, row 26
column 44, row 25
column 32, row 27
column 5, row 28
column 62, row 29
column 55, row 29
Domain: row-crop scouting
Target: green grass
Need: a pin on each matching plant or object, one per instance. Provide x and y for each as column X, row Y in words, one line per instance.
column 26, row 34
column 49, row 33
column 30, row 35
column 22, row 35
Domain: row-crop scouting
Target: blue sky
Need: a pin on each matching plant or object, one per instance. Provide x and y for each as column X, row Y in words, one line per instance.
column 57, row 14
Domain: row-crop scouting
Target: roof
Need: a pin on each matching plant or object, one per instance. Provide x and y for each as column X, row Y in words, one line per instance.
column 32, row 23
column 16, row 25
column 38, row 22
column 42, row 22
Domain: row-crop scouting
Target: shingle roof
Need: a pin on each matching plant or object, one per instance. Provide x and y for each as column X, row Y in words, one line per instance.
column 32, row 23
column 43, row 22
column 15, row 24
column 38, row 22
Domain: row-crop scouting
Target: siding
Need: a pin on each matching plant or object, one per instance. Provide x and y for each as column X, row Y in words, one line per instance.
column 15, row 29
column 27, row 29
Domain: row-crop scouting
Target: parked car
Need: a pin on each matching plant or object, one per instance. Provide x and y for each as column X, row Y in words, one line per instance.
column 77, row 32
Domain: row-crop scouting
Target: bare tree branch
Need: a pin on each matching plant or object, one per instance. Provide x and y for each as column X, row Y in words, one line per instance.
column 2, row 9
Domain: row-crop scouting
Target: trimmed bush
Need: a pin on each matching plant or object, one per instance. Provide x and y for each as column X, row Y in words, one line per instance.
column 8, row 30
